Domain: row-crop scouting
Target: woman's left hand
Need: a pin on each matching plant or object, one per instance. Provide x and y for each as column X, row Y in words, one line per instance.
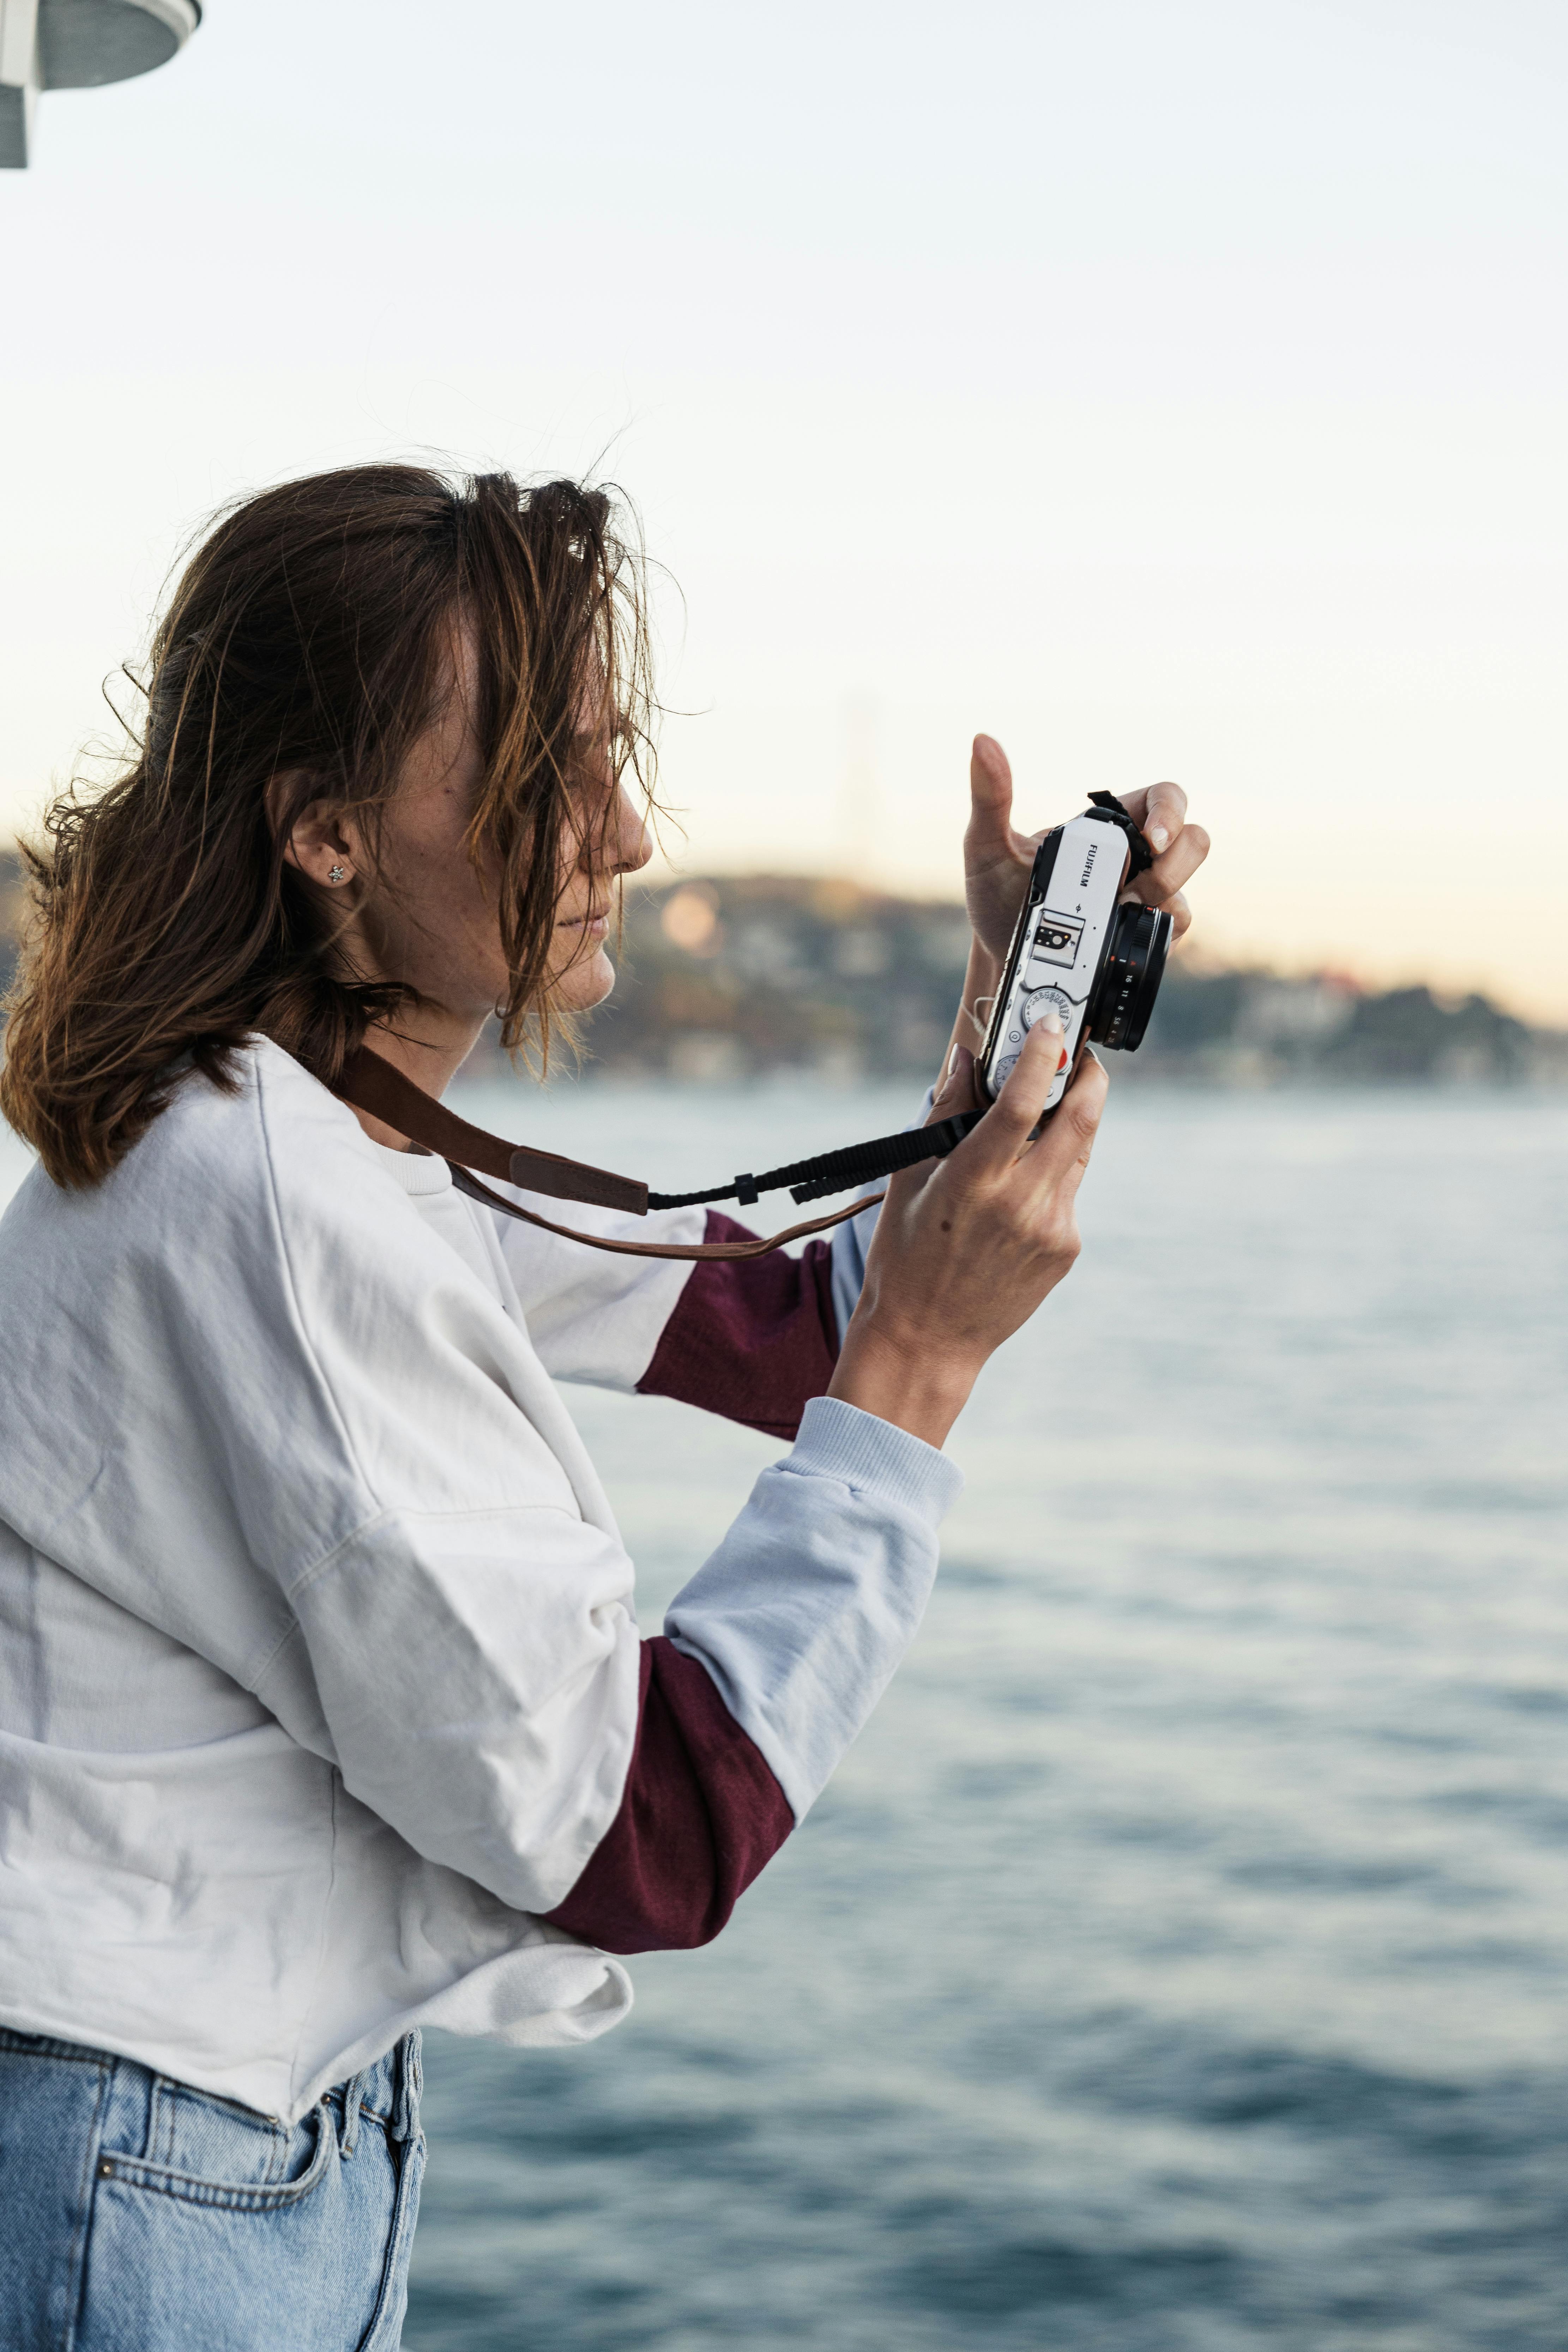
column 996, row 859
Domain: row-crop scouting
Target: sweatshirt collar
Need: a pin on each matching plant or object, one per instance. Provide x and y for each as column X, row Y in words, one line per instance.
column 420, row 1173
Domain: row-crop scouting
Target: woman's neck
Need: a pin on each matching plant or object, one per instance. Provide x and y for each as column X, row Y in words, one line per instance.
column 428, row 1045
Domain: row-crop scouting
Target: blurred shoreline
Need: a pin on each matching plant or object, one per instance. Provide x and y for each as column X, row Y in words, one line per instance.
column 733, row 977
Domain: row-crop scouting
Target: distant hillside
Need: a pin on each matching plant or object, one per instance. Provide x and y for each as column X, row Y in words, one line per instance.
column 737, row 975
column 10, row 914
column 1254, row 1028
column 728, row 976
column 757, row 972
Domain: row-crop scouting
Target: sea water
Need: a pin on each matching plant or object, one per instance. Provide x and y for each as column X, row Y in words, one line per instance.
column 1179, row 1962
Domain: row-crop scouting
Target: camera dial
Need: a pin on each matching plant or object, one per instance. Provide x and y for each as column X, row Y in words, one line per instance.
column 1046, row 1000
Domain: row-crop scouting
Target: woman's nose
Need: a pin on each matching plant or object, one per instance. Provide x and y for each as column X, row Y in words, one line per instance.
column 630, row 843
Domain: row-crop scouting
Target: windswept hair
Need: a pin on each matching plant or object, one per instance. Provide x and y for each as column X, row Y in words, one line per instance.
column 308, row 643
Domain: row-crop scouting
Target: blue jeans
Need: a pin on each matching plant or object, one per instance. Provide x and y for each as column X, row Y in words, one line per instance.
column 139, row 2215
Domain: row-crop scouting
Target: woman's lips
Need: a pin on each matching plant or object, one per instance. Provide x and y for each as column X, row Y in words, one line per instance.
column 595, row 925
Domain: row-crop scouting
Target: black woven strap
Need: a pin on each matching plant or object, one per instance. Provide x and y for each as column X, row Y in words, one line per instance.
column 835, row 1171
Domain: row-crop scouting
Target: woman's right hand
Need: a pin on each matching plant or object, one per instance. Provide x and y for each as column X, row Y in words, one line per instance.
column 965, row 1251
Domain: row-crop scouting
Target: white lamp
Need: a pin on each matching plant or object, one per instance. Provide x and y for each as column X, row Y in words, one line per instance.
column 77, row 45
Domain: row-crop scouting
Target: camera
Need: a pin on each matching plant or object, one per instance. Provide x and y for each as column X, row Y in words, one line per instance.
column 1079, row 950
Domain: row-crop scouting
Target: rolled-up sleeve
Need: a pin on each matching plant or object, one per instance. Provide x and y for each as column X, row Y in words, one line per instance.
column 805, row 1610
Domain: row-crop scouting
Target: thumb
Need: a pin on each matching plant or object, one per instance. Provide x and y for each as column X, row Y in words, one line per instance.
column 990, row 790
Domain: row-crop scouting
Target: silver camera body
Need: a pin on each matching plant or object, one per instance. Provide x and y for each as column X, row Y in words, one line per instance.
column 1078, row 949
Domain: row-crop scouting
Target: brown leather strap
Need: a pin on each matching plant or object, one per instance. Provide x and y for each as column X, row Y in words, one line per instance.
column 371, row 1083
column 758, row 1247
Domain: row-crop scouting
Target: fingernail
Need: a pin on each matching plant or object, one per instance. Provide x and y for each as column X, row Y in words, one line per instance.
column 1158, row 838
column 952, row 1065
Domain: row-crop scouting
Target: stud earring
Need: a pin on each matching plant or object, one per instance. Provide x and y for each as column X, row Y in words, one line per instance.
column 337, row 873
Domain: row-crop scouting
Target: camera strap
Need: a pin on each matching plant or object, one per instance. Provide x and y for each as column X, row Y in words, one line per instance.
column 371, row 1083
column 1138, row 854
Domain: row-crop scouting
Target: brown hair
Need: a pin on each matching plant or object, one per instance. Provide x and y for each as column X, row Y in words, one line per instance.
column 311, row 639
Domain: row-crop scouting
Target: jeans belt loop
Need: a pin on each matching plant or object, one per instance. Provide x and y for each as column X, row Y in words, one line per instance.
column 410, row 2083
column 353, row 2095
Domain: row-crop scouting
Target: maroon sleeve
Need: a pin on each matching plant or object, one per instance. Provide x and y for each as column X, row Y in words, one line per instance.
column 752, row 1337
column 701, row 1815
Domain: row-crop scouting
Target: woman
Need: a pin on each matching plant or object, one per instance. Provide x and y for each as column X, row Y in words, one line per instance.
column 323, row 1713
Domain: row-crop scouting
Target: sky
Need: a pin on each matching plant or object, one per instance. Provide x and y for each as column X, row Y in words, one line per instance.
column 1168, row 387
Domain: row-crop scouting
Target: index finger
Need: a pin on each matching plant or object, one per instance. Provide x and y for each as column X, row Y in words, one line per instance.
column 1165, row 813
column 1060, row 1155
column 1002, row 1137
column 1012, row 1118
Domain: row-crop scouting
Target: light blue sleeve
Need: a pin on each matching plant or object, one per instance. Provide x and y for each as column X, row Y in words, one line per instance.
column 810, row 1601
column 852, row 1240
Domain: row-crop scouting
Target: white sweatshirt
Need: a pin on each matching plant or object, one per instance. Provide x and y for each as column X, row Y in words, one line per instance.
column 318, row 1665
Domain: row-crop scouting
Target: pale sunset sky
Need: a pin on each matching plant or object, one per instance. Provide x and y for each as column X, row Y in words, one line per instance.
column 1171, row 387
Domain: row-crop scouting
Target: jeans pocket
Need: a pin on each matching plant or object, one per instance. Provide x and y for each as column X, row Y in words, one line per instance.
column 227, row 2157
column 188, row 2262
column 213, row 2138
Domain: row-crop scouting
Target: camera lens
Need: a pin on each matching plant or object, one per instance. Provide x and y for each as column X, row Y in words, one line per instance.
column 1130, row 981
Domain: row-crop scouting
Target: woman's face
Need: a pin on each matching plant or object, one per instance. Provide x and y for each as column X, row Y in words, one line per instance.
column 434, row 920
column 607, row 837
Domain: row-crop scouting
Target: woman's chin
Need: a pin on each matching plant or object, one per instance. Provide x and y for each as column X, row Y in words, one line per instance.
column 586, row 984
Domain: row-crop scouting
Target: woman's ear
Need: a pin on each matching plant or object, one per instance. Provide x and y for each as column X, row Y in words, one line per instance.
column 318, row 844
